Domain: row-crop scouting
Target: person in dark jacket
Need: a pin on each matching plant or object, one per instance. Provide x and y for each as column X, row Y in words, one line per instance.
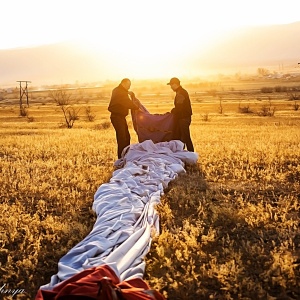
column 182, row 114
column 119, row 106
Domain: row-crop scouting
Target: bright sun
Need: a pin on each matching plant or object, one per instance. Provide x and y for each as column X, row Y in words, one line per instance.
column 156, row 49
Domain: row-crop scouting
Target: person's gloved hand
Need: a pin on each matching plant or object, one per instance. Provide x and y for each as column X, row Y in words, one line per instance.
column 131, row 94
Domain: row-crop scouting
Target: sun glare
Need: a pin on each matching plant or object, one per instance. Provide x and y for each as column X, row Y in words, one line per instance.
column 158, row 48
column 135, row 57
column 134, row 38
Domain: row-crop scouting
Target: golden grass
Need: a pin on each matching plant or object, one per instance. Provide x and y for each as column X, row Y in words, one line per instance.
column 229, row 226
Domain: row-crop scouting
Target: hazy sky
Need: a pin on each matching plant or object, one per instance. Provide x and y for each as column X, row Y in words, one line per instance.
column 134, row 22
column 150, row 31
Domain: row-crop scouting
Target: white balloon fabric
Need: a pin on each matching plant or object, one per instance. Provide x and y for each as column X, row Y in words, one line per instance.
column 125, row 209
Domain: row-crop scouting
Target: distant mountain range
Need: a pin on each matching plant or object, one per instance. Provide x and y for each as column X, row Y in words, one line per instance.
column 59, row 63
column 264, row 46
column 66, row 62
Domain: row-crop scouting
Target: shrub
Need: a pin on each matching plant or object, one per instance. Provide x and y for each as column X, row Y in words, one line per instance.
column 30, row 119
column 89, row 115
column 267, row 111
column 205, row 117
column 23, row 111
column 245, row 110
column 280, row 89
column 266, row 89
column 293, row 96
column 212, row 92
column 103, row 125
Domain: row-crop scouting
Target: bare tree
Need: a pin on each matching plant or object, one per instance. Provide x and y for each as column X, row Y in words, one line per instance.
column 296, row 106
column 293, row 96
column 220, row 105
column 263, row 71
column 64, row 100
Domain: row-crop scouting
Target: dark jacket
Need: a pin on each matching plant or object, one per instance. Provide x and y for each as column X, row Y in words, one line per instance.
column 182, row 103
column 120, row 102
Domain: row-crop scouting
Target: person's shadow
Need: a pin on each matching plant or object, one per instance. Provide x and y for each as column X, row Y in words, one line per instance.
column 211, row 250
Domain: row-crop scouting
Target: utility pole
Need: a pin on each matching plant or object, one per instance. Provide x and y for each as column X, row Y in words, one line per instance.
column 23, row 93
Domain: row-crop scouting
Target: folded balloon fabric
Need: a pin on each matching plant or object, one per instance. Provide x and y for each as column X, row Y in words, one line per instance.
column 155, row 127
column 99, row 283
column 126, row 215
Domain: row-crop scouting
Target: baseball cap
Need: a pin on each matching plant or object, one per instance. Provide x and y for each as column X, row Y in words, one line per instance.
column 174, row 80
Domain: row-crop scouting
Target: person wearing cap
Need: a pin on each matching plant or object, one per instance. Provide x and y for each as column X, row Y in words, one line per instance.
column 182, row 112
column 119, row 106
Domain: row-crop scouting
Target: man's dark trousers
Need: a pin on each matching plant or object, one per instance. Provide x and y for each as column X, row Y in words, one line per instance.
column 182, row 132
column 122, row 132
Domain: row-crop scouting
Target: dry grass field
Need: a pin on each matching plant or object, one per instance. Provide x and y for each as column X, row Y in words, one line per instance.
column 229, row 226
